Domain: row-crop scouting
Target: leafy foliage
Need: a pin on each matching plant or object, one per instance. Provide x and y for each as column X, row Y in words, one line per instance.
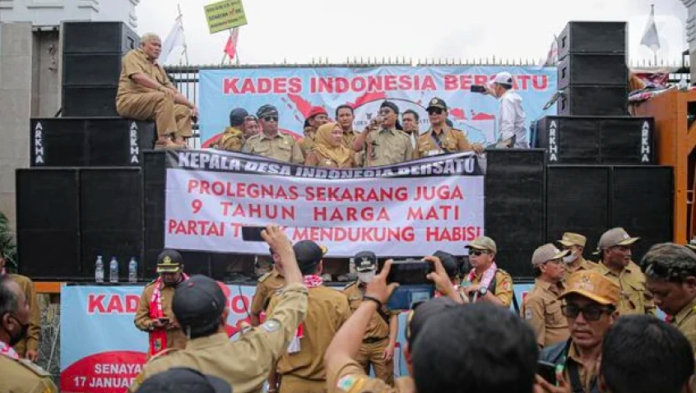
column 7, row 245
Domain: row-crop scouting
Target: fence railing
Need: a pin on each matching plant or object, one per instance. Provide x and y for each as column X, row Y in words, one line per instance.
column 186, row 78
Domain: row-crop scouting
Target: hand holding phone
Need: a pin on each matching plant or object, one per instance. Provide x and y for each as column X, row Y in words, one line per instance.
column 414, row 285
column 547, row 371
column 252, row 234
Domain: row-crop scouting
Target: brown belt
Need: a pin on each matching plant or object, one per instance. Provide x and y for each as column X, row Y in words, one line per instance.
column 372, row 340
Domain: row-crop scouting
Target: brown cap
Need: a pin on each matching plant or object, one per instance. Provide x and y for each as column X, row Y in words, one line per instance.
column 594, row 286
column 573, row 239
column 547, row 252
column 169, row 261
column 615, row 237
column 483, row 243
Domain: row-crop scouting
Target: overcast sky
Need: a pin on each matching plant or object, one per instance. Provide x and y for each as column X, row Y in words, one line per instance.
column 301, row 30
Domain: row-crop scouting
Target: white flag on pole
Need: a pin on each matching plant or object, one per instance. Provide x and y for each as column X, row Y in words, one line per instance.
column 174, row 39
column 551, row 57
column 651, row 38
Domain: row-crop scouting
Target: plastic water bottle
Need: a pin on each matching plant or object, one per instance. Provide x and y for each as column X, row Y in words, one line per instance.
column 99, row 270
column 113, row 270
column 132, row 270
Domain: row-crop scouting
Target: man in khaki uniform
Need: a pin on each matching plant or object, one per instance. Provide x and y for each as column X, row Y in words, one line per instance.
column 345, row 117
column 590, row 307
column 409, row 120
column 232, row 139
column 269, row 284
column 575, row 244
column 671, row 278
column 486, row 282
column 271, row 143
column 154, row 314
column 382, row 142
column 17, row 375
column 615, row 262
column 542, row 308
column 27, row 347
column 146, row 93
column 380, row 337
column 200, row 306
column 301, row 368
column 316, row 118
column 441, row 139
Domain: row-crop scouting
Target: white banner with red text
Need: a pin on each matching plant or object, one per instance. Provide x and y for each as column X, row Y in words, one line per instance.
column 414, row 208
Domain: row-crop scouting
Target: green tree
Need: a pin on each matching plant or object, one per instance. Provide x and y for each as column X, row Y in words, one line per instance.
column 7, row 245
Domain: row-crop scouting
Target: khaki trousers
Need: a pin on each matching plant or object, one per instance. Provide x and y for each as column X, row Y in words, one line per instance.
column 373, row 354
column 169, row 117
column 292, row 384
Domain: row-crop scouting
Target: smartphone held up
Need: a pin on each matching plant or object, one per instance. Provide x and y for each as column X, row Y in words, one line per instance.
column 414, row 286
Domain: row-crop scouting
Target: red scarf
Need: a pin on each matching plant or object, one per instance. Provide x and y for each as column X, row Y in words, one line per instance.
column 310, row 281
column 158, row 337
column 6, row 350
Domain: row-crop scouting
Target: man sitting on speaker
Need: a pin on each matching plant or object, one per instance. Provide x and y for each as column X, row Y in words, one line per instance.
column 146, row 93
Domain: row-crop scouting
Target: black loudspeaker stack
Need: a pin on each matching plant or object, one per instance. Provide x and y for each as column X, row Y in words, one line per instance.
column 92, row 53
column 592, row 69
column 601, row 163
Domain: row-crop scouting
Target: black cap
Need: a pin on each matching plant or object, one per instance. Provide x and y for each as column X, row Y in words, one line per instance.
column 418, row 317
column 184, row 380
column 266, row 110
column 437, row 103
column 198, row 303
column 449, row 262
column 390, row 105
column 238, row 116
column 308, row 254
column 169, row 261
column 365, row 261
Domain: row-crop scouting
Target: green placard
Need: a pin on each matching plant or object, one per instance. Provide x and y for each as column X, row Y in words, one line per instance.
column 225, row 15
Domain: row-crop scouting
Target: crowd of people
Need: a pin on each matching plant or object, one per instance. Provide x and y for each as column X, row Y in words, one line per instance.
column 146, row 93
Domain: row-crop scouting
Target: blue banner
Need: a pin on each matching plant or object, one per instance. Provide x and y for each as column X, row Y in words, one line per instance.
column 295, row 90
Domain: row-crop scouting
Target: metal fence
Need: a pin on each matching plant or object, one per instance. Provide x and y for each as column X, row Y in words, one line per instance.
column 186, row 78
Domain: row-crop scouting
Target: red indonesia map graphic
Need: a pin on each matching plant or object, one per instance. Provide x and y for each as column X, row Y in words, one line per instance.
column 106, row 372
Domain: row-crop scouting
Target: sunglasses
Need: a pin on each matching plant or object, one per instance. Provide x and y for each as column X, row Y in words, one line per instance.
column 435, row 111
column 270, row 118
column 591, row 313
column 477, row 252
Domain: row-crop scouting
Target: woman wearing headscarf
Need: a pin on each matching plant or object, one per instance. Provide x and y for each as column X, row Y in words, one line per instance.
column 329, row 151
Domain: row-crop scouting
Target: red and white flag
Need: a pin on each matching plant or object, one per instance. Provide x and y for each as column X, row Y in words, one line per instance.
column 552, row 57
column 231, row 46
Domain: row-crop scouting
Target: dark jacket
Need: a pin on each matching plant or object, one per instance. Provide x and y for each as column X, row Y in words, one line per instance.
column 557, row 354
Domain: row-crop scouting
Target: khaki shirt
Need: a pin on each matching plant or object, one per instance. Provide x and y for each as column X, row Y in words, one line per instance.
column 306, row 145
column 280, row 147
column 231, row 140
column 685, row 321
column 579, row 264
column 385, row 147
column 542, row 310
column 327, row 310
column 587, row 376
column 176, row 338
column 503, row 286
column 451, row 141
column 23, row 376
column 351, row 377
column 635, row 298
column 268, row 284
column 314, row 158
column 349, row 138
column 135, row 62
column 378, row 327
column 31, row 341
column 246, row 362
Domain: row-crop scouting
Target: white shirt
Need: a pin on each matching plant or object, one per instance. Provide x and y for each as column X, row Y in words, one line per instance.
column 511, row 119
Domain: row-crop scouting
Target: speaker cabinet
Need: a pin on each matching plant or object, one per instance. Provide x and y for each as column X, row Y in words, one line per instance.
column 48, row 227
column 154, row 186
column 597, row 140
column 580, row 100
column 515, row 205
column 89, row 101
column 97, row 70
column 577, row 200
column 592, row 69
column 89, row 142
column 98, row 37
column 593, row 37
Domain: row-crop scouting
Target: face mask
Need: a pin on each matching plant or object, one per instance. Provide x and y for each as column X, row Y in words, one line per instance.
column 570, row 258
column 366, row 277
column 15, row 339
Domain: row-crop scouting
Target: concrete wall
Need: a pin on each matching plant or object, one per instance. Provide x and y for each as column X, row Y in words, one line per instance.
column 16, row 56
column 52, row 12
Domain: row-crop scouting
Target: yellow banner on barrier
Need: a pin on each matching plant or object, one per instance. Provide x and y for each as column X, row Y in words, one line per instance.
column 225, row 15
